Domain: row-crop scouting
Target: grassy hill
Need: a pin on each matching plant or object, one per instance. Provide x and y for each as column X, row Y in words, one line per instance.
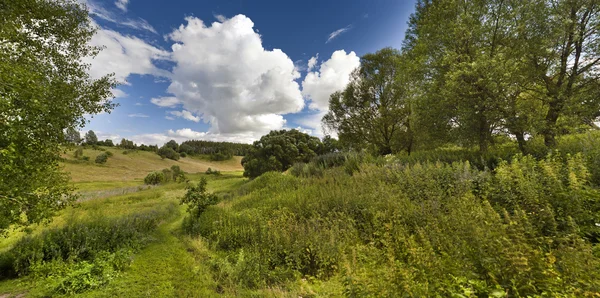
column 128, row 166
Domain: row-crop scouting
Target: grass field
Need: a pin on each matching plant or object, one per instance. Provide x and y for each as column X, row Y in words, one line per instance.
column 133, row 167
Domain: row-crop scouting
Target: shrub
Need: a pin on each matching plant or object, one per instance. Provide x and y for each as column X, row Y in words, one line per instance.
column 109, row 153
column 219, row 156
column 210, row 171
column 167, row 152
column 78, row 152
column 154, row 178
column 177, row 174
column 102, row 158
column 183, row 154
column 86, row 158
column 197, row 198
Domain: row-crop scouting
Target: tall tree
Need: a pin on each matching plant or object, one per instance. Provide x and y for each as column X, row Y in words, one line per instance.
column 72, row 135
column 44, row 89
column 91, row 138
column 373, row 109
column 565, row 53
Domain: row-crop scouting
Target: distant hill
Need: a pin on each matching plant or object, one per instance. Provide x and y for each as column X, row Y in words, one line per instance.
column 135, row 165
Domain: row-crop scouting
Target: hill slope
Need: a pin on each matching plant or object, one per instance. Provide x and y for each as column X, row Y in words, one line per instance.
column 135, row 165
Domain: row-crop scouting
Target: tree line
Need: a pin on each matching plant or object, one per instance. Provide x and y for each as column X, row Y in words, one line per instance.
column 474, row 73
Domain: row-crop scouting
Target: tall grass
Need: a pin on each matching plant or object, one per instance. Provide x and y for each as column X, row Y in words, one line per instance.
column 421, row 229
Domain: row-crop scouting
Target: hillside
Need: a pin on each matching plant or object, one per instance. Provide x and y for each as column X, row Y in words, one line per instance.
column 135, row 165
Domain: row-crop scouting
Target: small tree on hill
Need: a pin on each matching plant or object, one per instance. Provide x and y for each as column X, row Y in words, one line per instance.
column 72, row 135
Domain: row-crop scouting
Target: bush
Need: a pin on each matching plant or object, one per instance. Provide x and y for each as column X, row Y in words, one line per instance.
column 78, row 152
column 102, row 158
column 210, row 171
column 82, row 255
column 183, row 154
column 197, row 198
column 427, row 229
column 167, row 152
column 109, row 153
column 154, row 178
column 220, row 156
column 86, row 158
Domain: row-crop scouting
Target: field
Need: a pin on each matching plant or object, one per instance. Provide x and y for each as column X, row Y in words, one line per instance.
column 370, row 227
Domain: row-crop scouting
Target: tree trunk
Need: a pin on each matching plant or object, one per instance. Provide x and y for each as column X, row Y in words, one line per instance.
column 550, row 129
column 521, row 141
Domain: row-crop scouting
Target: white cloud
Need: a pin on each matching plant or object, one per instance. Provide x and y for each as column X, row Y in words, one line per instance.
column 221, row 18
column 337, row 33
column 169, row 118
column 185, row 114
column 333, row 75
column 185, row 134
column 223, row 73
column 312, row 62
column 313, row 122
column 139, row 104
column 138, row 115
column 122, row 4
column 118, row 93
column 168, row 101
column 99, row 11
column 124, row 55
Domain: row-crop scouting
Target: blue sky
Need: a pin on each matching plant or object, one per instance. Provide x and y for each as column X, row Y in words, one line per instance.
column 231, row 70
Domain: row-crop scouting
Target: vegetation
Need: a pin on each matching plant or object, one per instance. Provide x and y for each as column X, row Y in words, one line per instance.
column 195, row 147
column 279, row 150
column 168, row 152
column 44, row 89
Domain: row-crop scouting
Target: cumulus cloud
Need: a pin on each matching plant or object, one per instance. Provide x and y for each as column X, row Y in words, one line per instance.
column 337, row 33
column 333, row 75
column 224, row 74
column 185, row 114
column 118, row 93
column 185, row 134
column 122, row 4
column 168, row 101
column 124, row 55
column 138, row 115
column 312, row 62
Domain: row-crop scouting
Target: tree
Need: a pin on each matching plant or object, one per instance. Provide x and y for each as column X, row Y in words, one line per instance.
column 373, row 110
column 127, row 144
column 44, row 89
column 72, row 135
column 565, row 55
column 168, row 152
column 278, row 151
column 173, row 145
column 91, row 138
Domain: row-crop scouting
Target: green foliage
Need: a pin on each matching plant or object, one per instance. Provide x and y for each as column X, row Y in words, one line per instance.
column 102, row 158
column 127, row 144
column 78, row 152
column 210, row 171
column 422, row 229
column 91, row 138
column 154, row 178
column 86, row 158
column 167, row 152
column 278, row 151
column 219, row 156
column 83, row 255
column 72, row 135
column 173, row 145
column 208, row 147
column 374, row 110
column 197, row 198
column 45, row 88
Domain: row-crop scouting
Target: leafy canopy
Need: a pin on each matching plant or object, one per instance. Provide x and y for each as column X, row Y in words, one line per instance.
column 279, row 150
column 44, row 89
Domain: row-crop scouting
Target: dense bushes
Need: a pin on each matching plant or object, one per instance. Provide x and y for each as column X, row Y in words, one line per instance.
column 422, row 229
column 102, row 158
column 82, row 255
column 279, row 150
column 166, row 175
column 167, row 152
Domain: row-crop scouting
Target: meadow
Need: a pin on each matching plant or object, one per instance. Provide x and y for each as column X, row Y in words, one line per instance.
column 441, row 223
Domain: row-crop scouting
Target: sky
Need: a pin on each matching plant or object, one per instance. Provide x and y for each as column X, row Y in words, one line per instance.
column 231, row 70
